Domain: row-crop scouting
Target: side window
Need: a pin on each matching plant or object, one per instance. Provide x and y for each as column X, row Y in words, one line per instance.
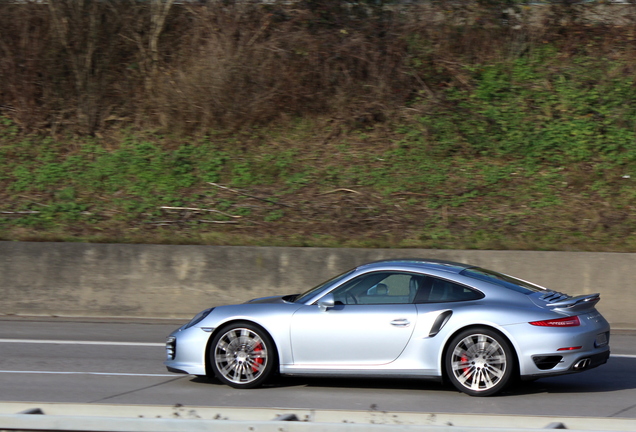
column 379, row 288
column 439, row 290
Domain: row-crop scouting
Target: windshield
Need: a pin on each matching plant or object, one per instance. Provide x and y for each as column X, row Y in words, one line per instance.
column 501, row 280
column 302, row 298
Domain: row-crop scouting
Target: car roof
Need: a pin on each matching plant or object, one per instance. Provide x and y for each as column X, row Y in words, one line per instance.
column 417, row 264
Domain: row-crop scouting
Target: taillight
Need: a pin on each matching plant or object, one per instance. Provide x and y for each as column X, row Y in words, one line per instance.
column 559, row 322
column 570, row 348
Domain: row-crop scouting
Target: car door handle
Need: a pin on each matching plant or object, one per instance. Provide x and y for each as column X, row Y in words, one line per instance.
column 402, row 322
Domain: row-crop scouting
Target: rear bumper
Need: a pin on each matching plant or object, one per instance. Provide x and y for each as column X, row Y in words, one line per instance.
column 580, row 364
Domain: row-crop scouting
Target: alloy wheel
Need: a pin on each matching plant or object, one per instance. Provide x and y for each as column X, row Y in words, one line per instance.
column 240, row 356
column 479, row 362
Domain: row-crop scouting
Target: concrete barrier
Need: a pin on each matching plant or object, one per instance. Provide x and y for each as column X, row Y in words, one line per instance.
column 37, row 416
column 162, row 281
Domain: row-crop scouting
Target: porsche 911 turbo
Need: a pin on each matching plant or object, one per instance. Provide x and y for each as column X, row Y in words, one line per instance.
column 411, row 318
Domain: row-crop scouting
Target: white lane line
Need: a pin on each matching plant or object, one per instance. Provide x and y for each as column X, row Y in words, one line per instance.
column 623, row 355
column 70, row 342
column 88, row 373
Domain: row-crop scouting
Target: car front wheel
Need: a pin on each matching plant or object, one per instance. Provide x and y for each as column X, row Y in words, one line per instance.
column 479, row 362
column 242, row 355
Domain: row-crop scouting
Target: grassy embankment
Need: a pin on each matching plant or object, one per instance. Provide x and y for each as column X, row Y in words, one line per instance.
column 476, row 137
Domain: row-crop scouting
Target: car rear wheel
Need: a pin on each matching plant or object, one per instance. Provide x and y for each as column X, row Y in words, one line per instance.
column 242, row 355
column 479, row 362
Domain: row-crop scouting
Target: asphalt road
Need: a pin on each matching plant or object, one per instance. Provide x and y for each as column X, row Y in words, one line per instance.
column 121, row 363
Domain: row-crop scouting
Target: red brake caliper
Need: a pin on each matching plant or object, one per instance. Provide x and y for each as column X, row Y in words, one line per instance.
column 257, row 361
column 465, row 360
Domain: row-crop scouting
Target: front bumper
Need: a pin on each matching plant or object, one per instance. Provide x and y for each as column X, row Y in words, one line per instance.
column 186, row 351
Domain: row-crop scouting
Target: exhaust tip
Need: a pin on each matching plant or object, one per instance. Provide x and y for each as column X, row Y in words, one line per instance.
column 582, row 364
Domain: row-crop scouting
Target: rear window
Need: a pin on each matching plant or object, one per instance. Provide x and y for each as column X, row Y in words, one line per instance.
column 501, row 280
column 440, row 290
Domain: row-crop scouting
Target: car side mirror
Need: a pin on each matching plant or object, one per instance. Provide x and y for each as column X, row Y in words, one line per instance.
column 326, row 302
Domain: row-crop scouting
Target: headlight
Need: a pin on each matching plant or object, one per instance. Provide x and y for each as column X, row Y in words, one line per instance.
column 198, row 318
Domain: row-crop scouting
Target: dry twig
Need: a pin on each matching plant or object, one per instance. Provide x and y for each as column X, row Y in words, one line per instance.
column 200, row 209
column 341, row 190
column 248, row 195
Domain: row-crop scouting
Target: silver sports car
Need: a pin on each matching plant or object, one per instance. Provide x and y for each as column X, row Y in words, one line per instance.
column 418, row 318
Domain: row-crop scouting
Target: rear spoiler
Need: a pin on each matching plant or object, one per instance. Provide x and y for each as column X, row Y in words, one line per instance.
column 577, row 303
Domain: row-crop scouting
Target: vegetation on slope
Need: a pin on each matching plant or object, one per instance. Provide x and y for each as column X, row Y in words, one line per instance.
column 387, row 131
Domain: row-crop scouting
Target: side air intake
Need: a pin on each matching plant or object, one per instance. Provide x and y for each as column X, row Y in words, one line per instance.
column 440, row 322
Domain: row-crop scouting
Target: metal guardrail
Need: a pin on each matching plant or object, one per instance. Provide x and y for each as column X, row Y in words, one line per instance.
column 17, row 416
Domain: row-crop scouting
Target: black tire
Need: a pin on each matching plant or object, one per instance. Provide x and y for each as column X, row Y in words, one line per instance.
column 480, row 362
column 242, row 355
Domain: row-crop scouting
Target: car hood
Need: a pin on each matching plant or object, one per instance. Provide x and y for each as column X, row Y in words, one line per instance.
column 272, row 299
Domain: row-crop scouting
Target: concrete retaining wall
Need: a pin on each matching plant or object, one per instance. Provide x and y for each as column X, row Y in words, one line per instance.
column 159, row 281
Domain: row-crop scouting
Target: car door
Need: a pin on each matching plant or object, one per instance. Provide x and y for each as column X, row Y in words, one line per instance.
column 370, row 323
